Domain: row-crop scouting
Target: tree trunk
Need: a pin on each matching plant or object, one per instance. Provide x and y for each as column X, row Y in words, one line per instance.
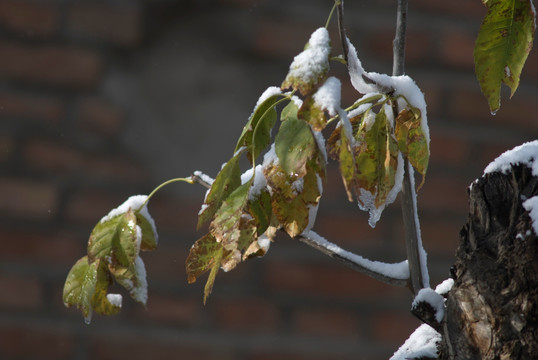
column 492, row 309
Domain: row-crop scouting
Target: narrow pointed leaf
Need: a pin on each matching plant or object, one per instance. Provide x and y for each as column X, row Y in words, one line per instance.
column 256, row 134
column 100, row 302
column 502, row 46
column 149, row 238
column 228, row 179
column 411, row 139
column 213, row 274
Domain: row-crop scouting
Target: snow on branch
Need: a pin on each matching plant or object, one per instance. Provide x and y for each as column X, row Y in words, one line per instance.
column 392, row 274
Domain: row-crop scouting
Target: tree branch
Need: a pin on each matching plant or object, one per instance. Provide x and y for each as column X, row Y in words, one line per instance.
column 409, row 210
column 392, row 274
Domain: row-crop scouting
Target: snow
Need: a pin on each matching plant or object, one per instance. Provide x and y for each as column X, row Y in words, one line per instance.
column 205, row 178
column 114, row 299
column 258, row 184
column 531, row 205
column 523, row 154
column 403, row 85
column 328, row 96
column 396, row 271
column 444, row 287
column 270, row 91
column 140, row 292
column 264, row 242
column 422, row 343
column 431, row 297
column 135, row 203
column 421, row 252
column 270, row 157
column 320, row 141
column 314, row 60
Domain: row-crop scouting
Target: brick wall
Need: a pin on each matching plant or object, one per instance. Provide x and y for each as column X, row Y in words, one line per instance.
column 103, row 99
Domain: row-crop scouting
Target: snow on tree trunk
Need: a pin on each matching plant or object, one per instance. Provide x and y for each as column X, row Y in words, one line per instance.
column 492, row 309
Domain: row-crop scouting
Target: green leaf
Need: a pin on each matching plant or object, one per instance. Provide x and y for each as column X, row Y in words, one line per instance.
column 100, row 302
column 502, row 46
column 203, row 255
column 226, row 226
column 149, row 238
column 347, row 164
column 79, row 286
column 256, row 134
column 115, row 239
column 132, row 277
column 289, row 111
column 313, row 114
column 310, row 67
column 227, row 180
column 294, row 146
column 411, row 139
column 260, row 209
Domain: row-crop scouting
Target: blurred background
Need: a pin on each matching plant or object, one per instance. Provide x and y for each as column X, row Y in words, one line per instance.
column 100, row 100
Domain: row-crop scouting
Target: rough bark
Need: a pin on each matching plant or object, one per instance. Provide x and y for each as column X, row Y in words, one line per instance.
column 492, row 309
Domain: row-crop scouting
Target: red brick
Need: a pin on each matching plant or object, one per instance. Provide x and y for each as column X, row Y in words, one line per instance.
column 308, row 354
column 119, row 25
column 325, row 322
column 457, row 49
column 143, row 347
column 417, row 47
column 29, row 18
column 348, row 228
column 20, row 292
column 59, row 158
column 18, row 342
column 441, row 236
column 27, row 198
column 98, row 116
column 514, row 113
column 170, row 310
column 44, row 247
column 321, row 280
column 394, row 327
column 31, row 107
column 448, row 149
column 247, row 315
column 459, row 8
column 443, row 192
column 50, row 64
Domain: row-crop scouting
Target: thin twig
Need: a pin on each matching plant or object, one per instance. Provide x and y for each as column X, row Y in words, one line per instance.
column 409, row 210
column 341, row 28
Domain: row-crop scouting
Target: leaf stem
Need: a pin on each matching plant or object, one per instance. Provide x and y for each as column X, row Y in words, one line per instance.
column 188, row 180
column 336, row 3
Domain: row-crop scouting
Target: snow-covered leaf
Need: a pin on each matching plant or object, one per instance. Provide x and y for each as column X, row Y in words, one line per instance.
column 310, row 67
column 260, row 209
column 115, row 239
column 256, row 134
column 227, row 180
column 503, row 44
